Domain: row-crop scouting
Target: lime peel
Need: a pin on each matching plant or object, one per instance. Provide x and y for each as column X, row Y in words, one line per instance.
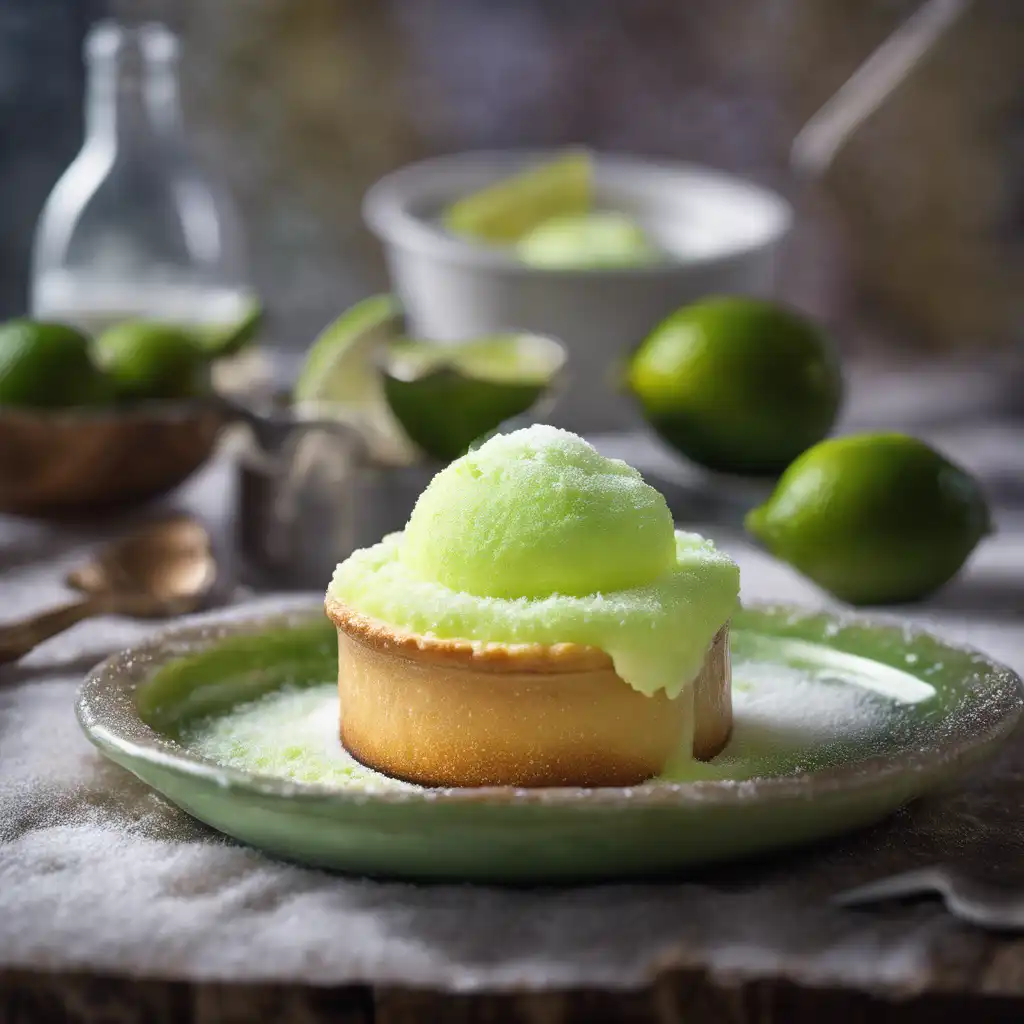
column 447, row 396
column 738, row 385
column 873, row 518
column 48, row 365
column 149, row 359
column 405, row 394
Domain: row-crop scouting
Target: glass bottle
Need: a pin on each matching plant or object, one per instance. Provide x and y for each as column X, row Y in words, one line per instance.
column 134, row 229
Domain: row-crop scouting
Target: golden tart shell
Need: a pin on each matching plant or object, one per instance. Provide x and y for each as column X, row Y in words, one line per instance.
column 460, row 713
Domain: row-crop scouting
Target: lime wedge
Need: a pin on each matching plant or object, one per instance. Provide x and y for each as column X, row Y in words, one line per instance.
column 340, row 378
column 515, row 358
column 505, row 211
column 446, row 396
column 226, row 341
column 602, row 239
column 339, row 368
column 403, row 394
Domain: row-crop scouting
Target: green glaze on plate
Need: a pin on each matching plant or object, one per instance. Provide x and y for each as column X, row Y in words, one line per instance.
column 839, row 720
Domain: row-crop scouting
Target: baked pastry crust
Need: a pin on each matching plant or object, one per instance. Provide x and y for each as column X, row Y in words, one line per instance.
column 464, row 713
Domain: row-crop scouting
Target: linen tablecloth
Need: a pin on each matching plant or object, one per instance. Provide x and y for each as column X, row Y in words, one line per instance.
column 100, row 874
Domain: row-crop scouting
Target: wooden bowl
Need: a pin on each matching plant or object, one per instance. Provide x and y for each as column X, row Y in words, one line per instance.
column 58, row 463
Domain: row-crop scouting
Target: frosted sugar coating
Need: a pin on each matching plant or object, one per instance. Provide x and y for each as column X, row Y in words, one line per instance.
column 656, row 635
column 539, row 512
column 536, row 538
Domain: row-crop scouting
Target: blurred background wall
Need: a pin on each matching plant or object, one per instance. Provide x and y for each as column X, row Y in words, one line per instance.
column 914, row 242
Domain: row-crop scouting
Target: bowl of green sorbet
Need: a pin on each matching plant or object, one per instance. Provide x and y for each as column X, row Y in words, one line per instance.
column 594, row 249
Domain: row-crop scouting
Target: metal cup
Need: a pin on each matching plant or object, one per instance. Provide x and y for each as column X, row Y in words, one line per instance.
column 308, row 494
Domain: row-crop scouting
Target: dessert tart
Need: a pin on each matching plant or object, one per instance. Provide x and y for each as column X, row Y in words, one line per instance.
column 457, row 713
column 538, row 623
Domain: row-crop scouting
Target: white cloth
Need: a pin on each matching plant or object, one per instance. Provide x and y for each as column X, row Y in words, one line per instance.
column 98, row 873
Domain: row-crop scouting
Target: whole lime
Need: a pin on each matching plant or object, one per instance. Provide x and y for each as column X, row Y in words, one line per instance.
column 147, row 360
column 738, row 385
column 873, row 518
column 47, row 365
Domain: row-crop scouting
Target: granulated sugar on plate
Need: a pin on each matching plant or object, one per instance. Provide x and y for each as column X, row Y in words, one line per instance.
column 787, row 720
column 290, row 734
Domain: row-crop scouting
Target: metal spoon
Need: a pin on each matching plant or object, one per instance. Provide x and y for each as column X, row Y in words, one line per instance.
column 165, row 569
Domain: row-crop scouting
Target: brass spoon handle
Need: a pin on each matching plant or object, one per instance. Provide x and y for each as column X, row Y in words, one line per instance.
column 18, row 638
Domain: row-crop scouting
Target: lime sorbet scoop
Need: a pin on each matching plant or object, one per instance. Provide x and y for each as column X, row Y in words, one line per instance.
column 537, row 538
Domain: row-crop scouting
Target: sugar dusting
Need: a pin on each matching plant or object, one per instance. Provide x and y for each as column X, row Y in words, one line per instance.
column 291, row 734
column 787, row 720
column 790, row 720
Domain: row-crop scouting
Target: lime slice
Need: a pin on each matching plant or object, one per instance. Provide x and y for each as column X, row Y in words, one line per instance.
column 340, row 378
column 505, row 211
column 446, row 396
column 223, row 340
column 404, row 394
column 516, row 358
column 339, row 368
column 603, row 239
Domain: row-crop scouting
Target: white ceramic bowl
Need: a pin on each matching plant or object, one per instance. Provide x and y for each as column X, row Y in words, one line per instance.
column 723, row 233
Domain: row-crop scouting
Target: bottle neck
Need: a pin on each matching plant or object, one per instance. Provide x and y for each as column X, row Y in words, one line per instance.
column 131, row 100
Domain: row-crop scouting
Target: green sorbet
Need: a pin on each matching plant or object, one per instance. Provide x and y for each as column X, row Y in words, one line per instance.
column 538, row 512
column 537, row 538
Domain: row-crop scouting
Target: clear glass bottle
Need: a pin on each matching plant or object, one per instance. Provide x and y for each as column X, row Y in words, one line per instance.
column 134, row 228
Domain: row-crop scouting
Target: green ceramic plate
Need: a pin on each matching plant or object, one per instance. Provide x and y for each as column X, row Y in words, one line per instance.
column 839, row 720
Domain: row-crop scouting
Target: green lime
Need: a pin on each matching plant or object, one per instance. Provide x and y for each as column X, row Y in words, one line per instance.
column 340, row 378
column 446, row 396
column 151, row 360
column 226, row 340
column 505, row 211
column 403, row 394
column 737, row 385
column 339, row 366
column 48, row 365
column 503, row 358
column 603, row 239
column 873, row 518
